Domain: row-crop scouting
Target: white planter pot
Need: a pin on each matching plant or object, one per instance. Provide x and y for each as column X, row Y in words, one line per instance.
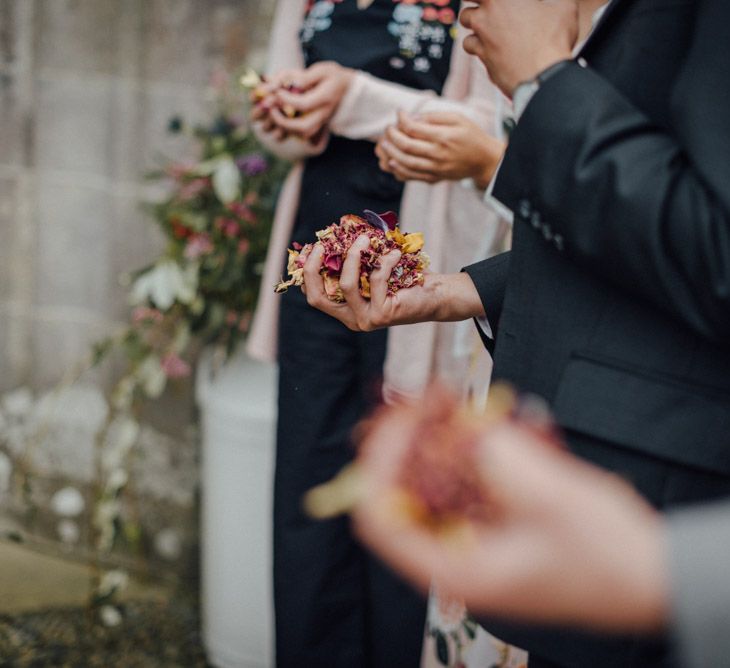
column 238, row 430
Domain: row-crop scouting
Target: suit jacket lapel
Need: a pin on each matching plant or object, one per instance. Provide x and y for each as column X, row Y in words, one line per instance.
column 609, row 16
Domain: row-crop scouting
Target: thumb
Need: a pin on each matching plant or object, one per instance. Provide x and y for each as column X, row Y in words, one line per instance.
column 379, row 277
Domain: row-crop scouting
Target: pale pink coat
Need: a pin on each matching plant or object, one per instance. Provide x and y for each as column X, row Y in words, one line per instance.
column 459, row 228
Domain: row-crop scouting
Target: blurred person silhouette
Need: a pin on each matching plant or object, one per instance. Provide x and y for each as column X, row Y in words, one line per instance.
column 341, row 70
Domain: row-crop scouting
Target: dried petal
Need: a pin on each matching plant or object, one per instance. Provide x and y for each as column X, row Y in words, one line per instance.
column 337, row 239
column 412, row 242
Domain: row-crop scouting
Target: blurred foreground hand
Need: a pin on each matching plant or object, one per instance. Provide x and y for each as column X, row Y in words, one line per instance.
column 564, row 542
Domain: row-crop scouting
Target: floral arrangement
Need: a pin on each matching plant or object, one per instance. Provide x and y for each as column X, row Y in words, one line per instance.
column 216, row 222
column 382, row 229
column 202, row 289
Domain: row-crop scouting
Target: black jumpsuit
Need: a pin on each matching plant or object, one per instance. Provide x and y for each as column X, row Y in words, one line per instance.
column 335, row 606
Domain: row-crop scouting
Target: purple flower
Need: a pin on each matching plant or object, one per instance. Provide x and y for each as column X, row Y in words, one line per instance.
column 252, row 164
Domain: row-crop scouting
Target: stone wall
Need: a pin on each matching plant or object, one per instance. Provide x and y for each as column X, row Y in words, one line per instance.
column 86, row 91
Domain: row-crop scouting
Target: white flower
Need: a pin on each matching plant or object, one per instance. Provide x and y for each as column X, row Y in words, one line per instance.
column 110, row 616
column 117, row 480
column 68, row 531
column 111, row 582
column 152, row 376
column 122, row 436
column 123, row 393
column 165, row 284
column 227, row 180
column 126, row 432
column 107, row 511
column 168, row 544
column 68, row 502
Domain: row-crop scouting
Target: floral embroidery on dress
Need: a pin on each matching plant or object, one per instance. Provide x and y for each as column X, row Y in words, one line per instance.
column 423, row 29
column 455, row 640
column 318, row 18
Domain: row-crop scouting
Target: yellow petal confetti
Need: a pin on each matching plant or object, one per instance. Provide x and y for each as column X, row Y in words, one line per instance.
column 250, row 79
column 412, row 243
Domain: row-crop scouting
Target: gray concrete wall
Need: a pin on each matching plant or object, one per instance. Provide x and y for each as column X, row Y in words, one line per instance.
column 86, row 89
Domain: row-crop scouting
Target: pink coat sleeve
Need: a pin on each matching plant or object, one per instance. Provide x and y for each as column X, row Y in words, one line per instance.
column 371, row 104
column 285, row 53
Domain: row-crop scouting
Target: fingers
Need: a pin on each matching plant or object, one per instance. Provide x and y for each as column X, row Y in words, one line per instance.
column 512, row 452
column 441, row 118
column 305, row 126
column 313, row 286
column 379, row 279
column 417, row 128
column 404, row 174
column 287, row 77
column 410, row 162
column 303, row 102
column 384, row 445
column 409, row 145
column 350, row 276
column 383, row 158
column 311, row 76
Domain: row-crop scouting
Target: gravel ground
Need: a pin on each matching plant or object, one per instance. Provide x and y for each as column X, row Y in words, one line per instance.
column 150, row 635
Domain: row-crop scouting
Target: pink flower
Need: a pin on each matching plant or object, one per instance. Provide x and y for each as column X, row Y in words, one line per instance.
column 244, row 323
column 243, row 246
column 232, row 229
column 177, row 170
column 174, row 366
column 228, row 226
column 146, row 314
column 197, row 246
column 243, row 211
column 192, row 189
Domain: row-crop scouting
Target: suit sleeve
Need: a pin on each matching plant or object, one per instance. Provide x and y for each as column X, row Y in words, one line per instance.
column 647, row 210
column 698, row 541
column 490, row 279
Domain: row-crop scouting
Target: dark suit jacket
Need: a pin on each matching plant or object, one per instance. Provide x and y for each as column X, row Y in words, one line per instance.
column 614, row 303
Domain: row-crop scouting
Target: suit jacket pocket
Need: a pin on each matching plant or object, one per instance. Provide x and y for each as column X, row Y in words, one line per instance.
column 670, row 420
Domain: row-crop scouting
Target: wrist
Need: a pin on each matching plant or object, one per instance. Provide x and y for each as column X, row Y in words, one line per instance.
column 454, row 297
column 651, row 581
column 493, row 152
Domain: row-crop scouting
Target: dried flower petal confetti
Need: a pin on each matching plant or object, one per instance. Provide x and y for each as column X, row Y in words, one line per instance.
column 437, row 484
column 382, row 229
